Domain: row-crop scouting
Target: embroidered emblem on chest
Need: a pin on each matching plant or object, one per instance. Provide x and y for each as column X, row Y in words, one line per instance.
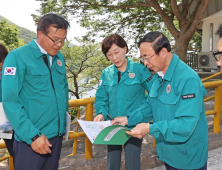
column 131, row 75
column 59, row 63
column 168, row 88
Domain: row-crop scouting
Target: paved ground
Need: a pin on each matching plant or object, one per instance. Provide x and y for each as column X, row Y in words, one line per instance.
column 214, row 160
column 148, row 154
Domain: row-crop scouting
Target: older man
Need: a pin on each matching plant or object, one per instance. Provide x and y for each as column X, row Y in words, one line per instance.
column 218, row 53
column 175, row 104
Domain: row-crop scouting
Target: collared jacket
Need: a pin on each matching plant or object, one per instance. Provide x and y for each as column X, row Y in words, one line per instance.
column 176, row 105
column 118, row 98
column 35, row 97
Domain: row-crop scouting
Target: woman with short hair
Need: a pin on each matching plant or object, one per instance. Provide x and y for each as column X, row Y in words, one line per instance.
column 121, row 90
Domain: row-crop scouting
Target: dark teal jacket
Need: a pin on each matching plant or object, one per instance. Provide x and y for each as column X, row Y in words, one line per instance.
column 176, row 105
column 119, row 98
column 31, row 104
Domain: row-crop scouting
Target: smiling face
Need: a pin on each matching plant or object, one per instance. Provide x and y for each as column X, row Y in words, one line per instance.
column 155, row 62
column 47, row 44
column 117, row 56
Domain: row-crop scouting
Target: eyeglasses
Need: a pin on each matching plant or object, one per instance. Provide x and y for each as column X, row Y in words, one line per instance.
column 56, row 41
column 147, row 58
column 217, row 55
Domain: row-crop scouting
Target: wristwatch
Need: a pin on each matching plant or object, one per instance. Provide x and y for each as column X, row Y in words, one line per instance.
column 35, row 137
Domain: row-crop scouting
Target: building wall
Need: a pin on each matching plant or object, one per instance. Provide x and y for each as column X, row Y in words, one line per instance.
column 206, row 34
column 213, row 7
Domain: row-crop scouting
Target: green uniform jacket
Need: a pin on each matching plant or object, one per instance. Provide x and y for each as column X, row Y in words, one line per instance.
column 176, row 105
column 119, row 98
column 30, row 102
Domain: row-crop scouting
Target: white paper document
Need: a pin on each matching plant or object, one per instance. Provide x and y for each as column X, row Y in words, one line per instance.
column 104, row 133
column 5, row 126
column 92, row 129
column 68, row 119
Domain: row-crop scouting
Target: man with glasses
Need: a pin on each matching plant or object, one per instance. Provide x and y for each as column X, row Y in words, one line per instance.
column 175, row 103
column 35, row 96
column 218, row 53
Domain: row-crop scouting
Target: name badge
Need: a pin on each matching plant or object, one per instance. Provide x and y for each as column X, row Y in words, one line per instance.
column 188, row 96
column 149, row 79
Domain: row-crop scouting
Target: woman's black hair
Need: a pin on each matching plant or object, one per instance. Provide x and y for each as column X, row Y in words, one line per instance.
column 113, row 39
column 3, row 52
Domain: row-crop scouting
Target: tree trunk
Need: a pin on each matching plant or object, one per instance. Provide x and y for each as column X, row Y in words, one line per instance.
column 180, row 47
column 76, row 87
column 188, row 22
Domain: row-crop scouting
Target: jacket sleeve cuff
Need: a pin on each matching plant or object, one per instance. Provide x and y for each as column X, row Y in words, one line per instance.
column 153, row 131
column 29, row 141
column 103, row 113
column 133, row 120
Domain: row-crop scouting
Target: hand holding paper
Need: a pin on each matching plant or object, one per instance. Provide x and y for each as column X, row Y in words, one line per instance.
column 140, row 130
column 98, row 118
column 120, row 120
column 104, row 132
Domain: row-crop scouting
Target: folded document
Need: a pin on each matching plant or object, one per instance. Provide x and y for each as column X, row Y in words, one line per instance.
column 104, row 132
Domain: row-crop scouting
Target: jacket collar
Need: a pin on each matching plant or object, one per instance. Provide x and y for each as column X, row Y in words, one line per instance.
column 127, row 67
column 170, row 70
column 37, row 50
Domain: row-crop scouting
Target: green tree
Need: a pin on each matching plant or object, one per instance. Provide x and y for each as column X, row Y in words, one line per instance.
column 9, row 35
column 133, row 18
column 84, row 65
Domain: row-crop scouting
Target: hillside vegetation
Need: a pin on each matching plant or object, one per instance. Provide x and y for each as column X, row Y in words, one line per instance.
column 24, row 33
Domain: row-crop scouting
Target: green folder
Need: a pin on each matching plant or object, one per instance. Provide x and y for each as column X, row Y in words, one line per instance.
column 112, row 135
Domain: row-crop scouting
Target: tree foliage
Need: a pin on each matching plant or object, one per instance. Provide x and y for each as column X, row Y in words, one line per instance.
column 26, row 35
column 9, row 35
column 84, row 65
column 23, row 33
column 133, row 18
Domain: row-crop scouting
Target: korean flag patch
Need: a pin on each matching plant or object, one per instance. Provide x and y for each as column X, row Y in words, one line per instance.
column 10, row 71
column 100, row 82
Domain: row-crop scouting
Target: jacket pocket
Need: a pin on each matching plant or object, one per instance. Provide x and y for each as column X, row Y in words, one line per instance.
column 168, row 106
column 109, row 85
column 131, row 82
column 38, row 78
column 133, row 88
column 60, row 77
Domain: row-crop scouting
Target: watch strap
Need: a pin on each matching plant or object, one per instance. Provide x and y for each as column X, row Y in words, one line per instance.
column 35, row 137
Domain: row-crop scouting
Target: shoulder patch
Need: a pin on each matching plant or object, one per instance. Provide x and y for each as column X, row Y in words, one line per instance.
column 10, row 71
column 188, row 96
column 100, row 82
column 149, row 79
